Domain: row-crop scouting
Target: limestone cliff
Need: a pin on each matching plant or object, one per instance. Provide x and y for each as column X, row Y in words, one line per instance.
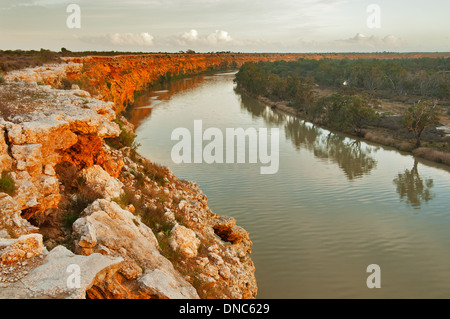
column 82, row 195
column 119, row 78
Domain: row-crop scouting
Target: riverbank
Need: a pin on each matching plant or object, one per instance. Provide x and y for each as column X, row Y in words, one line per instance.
column 380, row 135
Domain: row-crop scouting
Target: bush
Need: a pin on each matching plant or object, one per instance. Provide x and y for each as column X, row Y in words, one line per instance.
column 7, row 184
column 155, row 172
column 66, row 84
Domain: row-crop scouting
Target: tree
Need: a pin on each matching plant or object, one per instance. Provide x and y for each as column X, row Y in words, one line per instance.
column 419, row 117
column 252, row 78
column 348, row 112
column 304, row 97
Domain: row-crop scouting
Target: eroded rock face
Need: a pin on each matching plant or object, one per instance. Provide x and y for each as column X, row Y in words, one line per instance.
column 11, row 222
column 57, row 276
column 62, row 127
column 26, row 247
column 5, row 159
column 101, row 182
column 110, row 230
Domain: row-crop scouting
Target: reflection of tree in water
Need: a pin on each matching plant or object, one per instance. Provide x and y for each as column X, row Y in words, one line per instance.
column 413, row 187
column 302, row 134
column 350, row 156
column 354, row 160
column 142, row 107
column 258, row 110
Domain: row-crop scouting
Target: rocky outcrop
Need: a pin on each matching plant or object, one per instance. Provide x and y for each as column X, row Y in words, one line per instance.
column 106, row 228
column 11, row 222
column 62, row 274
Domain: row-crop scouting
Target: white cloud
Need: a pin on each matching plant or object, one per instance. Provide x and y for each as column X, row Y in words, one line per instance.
column 192, row 37
column 122, row 39
column 372, row 42
column 218, row 37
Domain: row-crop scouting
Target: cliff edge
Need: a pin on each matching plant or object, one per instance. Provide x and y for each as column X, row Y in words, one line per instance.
column 83, row 215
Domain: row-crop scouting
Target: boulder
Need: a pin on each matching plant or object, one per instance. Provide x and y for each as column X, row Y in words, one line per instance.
column 185, row 241
column 101, row 182
column 165, row 285
column 107, row 228
column 62, row 275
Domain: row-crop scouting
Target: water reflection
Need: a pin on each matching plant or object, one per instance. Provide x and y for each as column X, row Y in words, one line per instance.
column 144, row 103
column 415, row 189
column 354, row 160
column 350, row 155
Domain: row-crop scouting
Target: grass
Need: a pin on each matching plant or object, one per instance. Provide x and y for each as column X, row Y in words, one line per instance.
column 155, row 172
column 7, row 184
column 125, row 139
column 76, row 206
column 433, row 155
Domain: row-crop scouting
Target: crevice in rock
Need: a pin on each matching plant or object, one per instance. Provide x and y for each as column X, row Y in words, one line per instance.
column 28, row 213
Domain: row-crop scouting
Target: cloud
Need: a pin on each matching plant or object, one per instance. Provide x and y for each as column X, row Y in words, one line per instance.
column 219, row 36
column 192, row 37
column 133, row 39
column 372, row 42
column 113, row 40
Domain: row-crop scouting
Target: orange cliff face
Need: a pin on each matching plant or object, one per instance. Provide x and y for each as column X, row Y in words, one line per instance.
column 118, row 78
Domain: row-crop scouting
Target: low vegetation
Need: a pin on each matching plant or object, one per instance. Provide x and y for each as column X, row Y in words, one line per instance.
column 18, row 59
column 7, row 184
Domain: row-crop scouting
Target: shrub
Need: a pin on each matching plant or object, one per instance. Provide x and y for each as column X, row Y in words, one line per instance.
column 125, row 139
column 75, row 208
column 66, row 84
column 7, row 184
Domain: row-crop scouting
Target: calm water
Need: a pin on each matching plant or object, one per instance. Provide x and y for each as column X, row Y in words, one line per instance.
column 336, row 205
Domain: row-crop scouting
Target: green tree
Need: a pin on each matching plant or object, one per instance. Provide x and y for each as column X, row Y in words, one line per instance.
column 348, row 113
column 419, row 117
column 252, row 78
column 304, row 97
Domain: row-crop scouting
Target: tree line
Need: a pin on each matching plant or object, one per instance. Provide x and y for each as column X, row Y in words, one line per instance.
column 356, row 83
column 428, row 77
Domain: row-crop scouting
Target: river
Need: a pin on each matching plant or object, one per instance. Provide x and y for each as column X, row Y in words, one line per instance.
column 336, row 205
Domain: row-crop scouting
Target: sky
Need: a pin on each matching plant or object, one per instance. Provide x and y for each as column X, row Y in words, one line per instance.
column 227, row 25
